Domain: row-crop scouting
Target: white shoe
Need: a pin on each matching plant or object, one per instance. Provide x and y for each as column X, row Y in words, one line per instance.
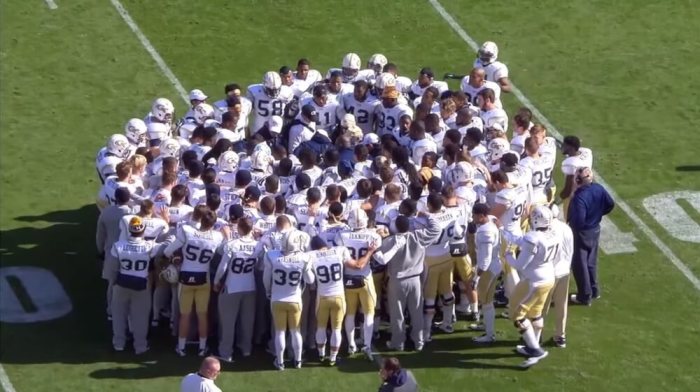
column 352, row 350
column 534, row 360
column 477, row 327
column 118, row 348
column 419, row 347
column 203, row 352
column 297, row 364
column 446, row 328
column 180, row 352
column 277, row 365
column 368, row 353
column 225, row 359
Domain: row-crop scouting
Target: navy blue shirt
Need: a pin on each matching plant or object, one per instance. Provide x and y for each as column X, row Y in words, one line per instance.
column 588, row 206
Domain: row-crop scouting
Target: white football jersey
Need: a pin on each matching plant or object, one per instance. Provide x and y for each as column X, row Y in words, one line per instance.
column 328, row 266
column 583, row 159
column 494, row 116
column 358, row 244
column 562, row 264
column 155, row 228
column 134, row 256
column 541, row 169
column 538, row 251
column 110, row 187
column 329, row 233
column 265, row 107
column 471, row 91
column 494, row 71
column 198, row 248
column 549, row 148
column 106, row 164
column 418, row 90
column 363, row 111
column 488, row 248
column 453, row 225
column 287, row 275
column 514, row 199
column 327, row 114
column 388, row 118
column 300, row 86
column 240, row 257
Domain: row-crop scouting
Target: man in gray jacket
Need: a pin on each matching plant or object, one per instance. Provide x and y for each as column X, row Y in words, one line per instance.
column 404, row 254
column 108, row 231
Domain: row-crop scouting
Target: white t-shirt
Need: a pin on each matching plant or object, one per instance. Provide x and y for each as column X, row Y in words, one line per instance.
column 193, row 382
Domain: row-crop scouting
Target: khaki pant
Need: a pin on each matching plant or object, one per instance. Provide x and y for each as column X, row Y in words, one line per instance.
column 560, row 296
column 135, row 306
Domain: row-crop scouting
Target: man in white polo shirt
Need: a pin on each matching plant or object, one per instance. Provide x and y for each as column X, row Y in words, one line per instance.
column 203, row 380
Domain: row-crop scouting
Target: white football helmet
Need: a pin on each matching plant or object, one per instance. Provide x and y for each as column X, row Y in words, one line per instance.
column 203, row 112
column 497, row 147
column 170, row 274
column 541, row 217
column 170, row 148
column 357, row 219
column 272, row 83
column 463, row 172
column 260, row 159
column 295, row 241
column 118, row 145
column 377, row 62
column 228, row 161
column 488, row 53
column 135, row 131
column 163, row 110
column 385, row 80
column 351, row 65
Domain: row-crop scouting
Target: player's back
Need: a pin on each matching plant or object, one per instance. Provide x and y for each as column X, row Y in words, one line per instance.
column 287, row 277
column 546, row 248
column 134, row 261
column 328, row 265
column 541, row 169
column 514, row 200
column 198, row 250
column 447, row 220
column 583, row 159
column 358, row 244
column 243, row 259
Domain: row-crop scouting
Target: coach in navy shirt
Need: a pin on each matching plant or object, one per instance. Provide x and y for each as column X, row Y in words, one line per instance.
column 589, row 204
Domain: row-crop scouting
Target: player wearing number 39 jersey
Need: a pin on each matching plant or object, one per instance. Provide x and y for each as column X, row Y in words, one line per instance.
column 131, row 296
column 359, row 285
column 198, row 248
column 237, row 296
column 283, row 277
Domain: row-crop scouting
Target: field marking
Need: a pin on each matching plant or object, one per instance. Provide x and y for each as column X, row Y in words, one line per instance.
column 5, row 381
column 553, row 130
column 51, row 4
column 151, row 50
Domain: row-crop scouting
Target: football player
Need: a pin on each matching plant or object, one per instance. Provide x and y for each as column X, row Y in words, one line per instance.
column 360, row 291
column 521, row 131
column 156, row 228
column 361, row 104
column 475, row 82
column 198, row 248
column 112, row 154
column 488, row 268
column 159, row 121
column 539, row 248
column 496, row 71
column 390, row 111
column 284, row 276
column 268, row 98
column 426, row 78
column 403, row 84
column 131, row 297
column 541, row 168
column 200, row 115
column 350, row 70
column 106, row 196
column 490, row 113
column 135, row 131
column 196, row 97
column 440, row 264
column 326, row 110
column 576, row 158
column 376, row 64
column 237, row 300
column 304, row 77
column 547, row 149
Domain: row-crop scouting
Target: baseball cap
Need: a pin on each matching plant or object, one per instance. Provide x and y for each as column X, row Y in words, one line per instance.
column 309, row 111
column 427, row 71
column 198, row 95
column 235, row 211
column 274, row 124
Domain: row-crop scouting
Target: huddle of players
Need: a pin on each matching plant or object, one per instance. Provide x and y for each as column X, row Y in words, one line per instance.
column 284, row 224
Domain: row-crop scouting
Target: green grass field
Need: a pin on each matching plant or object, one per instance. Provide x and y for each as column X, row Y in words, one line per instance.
column 619, row 74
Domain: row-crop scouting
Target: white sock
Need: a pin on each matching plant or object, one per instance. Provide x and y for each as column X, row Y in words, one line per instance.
column 321, row 342
column 336, row 338
column 296, row 344
column 448, row 312
column 489, row 318
column 350, row 329
column 280, row 345
column 181, row 343
column 537, row 326
column 428, row 323
column 474, row 308
column 368, row 331
column 202, row 343
column 529, row 337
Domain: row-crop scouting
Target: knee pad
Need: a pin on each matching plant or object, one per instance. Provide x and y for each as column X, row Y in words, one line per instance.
column 447, row 301
column 537, row 322
column 429, row 307
column 522, row 324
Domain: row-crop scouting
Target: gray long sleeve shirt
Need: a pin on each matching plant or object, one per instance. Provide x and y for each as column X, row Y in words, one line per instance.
column 108, row 227
column 404, row 253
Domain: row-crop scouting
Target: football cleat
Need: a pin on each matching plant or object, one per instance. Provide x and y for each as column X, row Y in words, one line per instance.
column 484, row 339
column 530, row 361
column 297, row 364
column 140, row 352
column 203, row 352
column 419, row 347
column 392, row 347
column 118, row 348
column 225, row 359
column 368, row 353
column 352, row 350
column 180, row 352
column 278, row 365
column 559, row 341
column 477, row 327
column 446, row 328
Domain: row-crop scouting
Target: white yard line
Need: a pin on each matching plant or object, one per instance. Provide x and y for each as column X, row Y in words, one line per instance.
column 151, row 50
column 51, row 4
column 553, row 130
column 5, row 381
